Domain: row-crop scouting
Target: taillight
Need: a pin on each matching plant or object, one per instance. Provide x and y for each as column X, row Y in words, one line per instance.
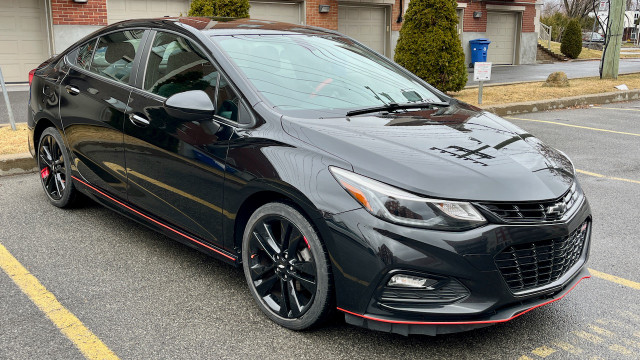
column 31, row 73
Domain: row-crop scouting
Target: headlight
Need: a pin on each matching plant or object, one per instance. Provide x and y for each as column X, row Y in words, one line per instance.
column 401, row 207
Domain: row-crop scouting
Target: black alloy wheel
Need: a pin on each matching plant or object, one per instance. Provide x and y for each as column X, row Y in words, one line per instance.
column 286, row 267
column 55, row 168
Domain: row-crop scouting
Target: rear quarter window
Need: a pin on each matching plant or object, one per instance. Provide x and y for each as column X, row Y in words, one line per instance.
column 81, row 56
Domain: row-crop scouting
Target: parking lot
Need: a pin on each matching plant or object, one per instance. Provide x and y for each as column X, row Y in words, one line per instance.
column 145, row 296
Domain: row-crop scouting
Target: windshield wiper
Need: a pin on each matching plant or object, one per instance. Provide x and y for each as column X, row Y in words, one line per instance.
column 395, row 106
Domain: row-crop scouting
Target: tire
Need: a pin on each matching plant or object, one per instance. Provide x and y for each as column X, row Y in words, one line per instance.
column 55, row 169
column 270, row 267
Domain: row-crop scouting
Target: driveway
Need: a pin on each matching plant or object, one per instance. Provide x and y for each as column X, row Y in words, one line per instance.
column 539, row 72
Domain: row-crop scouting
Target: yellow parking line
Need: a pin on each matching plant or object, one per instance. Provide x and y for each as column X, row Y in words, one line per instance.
column 620, row 349
column 575, row 126
column 568, row 347
column 588, row 336
column 615, row 279
column 543, row 351
column 610, row 108
column 606, row 177
column 600, row 331
column 89, row 344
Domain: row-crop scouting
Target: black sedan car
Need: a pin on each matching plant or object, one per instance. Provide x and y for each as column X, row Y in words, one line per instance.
column 338, row 180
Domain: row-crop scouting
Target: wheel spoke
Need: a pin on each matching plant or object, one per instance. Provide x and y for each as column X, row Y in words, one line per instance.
column 285, row 233
column 60, row 181
column 45, row 160
column 305, row 267
column 264, row 286
column 48, row 184
column 270, row 238
column 294, row 241
column 308, row 284
column 53, row 147
column 294, row 302
column 47, row 152
column 57, row 185
column 284, row 299
column 259, row 270
column 50, row 146
column 264, row 244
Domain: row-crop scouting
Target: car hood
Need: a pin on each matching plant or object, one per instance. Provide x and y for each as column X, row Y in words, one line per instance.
column 457, row 152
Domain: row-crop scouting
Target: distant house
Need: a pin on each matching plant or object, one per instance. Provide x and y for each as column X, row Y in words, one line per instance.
column 630, row 28
column 33, row 30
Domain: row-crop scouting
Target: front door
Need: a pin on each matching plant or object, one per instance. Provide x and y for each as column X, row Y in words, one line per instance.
column 175, row 166
column 93, row 104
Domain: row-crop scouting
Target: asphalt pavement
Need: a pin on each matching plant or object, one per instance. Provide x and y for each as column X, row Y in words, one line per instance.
column 18, row 98
column 540, row 72
column 148, row 297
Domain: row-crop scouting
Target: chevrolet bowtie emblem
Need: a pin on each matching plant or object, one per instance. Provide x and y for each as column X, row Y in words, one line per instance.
column 557, row 209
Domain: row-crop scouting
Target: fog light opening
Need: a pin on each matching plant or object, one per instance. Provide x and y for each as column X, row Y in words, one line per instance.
column 408, row 281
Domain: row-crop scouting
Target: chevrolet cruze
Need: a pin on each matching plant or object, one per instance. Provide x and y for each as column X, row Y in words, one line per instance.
column 338, row 180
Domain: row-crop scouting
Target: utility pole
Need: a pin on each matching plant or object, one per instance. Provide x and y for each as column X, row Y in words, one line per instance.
column 613, row 42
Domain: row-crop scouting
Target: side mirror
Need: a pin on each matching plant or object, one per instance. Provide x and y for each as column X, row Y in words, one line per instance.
column 190, row 105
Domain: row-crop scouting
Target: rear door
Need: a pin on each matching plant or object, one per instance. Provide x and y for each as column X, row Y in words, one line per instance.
column 175, row 167
column 94, row 97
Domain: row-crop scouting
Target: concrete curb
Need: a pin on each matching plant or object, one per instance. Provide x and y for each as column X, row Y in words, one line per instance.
column 15, row 164
column 562, row 103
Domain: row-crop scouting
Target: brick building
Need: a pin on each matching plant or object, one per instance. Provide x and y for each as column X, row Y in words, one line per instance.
column 33, row 30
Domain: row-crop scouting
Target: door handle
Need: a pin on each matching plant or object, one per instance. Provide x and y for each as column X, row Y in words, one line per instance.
column 72, row 90
column 138, row 120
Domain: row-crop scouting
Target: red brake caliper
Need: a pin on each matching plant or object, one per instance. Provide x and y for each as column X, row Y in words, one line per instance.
column 44, row 172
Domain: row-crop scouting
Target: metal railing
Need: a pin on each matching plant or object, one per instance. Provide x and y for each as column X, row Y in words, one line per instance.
column 545, row 34
column 6, row 100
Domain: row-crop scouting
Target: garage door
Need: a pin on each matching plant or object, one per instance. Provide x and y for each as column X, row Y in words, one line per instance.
column 366, row 24
column 289, row 12
column 23, row 38
column 118, row 10
column 501, row 30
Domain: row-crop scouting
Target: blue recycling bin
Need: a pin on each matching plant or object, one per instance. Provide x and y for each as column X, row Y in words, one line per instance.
column 479, row 48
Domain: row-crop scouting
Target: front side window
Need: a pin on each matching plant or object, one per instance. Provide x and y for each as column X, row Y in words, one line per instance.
column 114, row 55
column 326, row 73
column 176, row 65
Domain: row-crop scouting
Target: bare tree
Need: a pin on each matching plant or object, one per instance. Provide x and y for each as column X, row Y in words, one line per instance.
column 579, row 9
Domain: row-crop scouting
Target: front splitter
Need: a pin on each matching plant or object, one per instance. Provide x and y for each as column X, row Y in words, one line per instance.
column 406, row 327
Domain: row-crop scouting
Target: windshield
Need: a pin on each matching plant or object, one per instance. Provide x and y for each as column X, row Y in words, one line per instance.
column 298, row 72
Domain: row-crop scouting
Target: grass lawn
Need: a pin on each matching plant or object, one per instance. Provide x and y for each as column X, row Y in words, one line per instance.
column 13, row 142
column 493, row 95
column 629, row 45
column 586, row 53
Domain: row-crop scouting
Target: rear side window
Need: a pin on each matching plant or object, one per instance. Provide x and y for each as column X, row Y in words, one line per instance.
column 114, row 55
column 176, row 65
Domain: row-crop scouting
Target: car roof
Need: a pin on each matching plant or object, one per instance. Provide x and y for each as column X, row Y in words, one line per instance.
column 214, row 26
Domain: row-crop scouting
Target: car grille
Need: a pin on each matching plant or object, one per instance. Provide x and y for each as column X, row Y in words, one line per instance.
column 532, row 265
column 535, row 211
column 445, row 291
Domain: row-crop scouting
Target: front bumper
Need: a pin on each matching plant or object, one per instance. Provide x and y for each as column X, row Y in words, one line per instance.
column 365, row 250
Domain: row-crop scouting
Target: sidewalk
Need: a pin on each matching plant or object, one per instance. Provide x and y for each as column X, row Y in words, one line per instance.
column 539, row 72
